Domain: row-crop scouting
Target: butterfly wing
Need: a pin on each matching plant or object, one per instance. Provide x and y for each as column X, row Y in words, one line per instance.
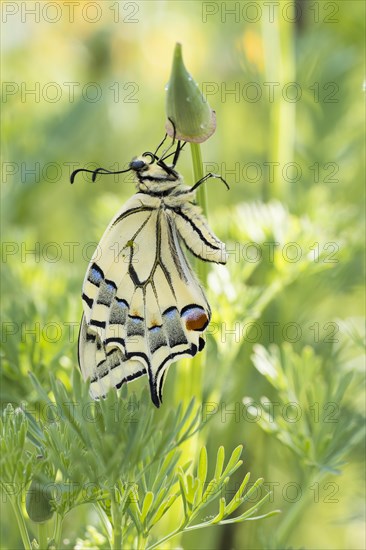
column 107, row 294
column 197, row 235
column 143, row 306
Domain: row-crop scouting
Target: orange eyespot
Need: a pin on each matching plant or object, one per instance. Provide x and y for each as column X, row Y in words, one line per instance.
column 197, row 323
column 195, row 318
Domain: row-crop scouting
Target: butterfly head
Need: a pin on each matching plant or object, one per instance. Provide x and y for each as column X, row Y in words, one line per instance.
column 149, row 167
column 139, row 164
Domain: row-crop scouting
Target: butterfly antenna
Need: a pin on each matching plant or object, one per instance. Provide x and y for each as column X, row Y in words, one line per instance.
column 160, row 144
column 72, row 177
column 96, row 172
column 164, row 153
column 108, row 172
column 176, row 153
column 174, row 129
column 154, row 156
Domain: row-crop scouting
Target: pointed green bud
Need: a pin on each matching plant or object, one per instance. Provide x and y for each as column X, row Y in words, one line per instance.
column 193, row 118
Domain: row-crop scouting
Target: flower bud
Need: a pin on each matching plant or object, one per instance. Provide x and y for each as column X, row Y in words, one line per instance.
column 192, row 117
column 38, row 502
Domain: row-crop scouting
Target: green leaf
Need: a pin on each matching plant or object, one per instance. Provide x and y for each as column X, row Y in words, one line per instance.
column 253, row 509
column 221, row 512
column 183, row 492
column 213, row 488
column 234, row 462
column 202, row 466
column 165, row 470
column 148, row 501
column 237, row 500
column 219, row 462
column 162, row 509
column 134, row 510
column 253, row 488
column 192, row 484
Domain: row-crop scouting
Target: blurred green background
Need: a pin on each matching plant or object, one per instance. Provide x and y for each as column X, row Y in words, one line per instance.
column 84, row 83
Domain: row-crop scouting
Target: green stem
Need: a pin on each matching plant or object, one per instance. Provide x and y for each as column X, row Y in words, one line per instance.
column 142, row 541
column 201, row 200
column 58, row 530
column 174, row 533
column 21, row 523
column 284, row 530
column 117, row 525
column 198, row 174
column 42, row 535
column 280, row 66
column 106, row 526
column 185, row 529
column 294, row 514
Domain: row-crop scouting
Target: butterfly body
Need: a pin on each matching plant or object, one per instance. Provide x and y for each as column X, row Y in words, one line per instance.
column 144, row 308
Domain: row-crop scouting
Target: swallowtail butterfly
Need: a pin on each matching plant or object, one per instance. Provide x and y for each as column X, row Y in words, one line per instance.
column 144, row 308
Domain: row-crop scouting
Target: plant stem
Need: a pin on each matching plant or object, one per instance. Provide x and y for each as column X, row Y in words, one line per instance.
column 280, row 65
column 142, row 541
column 42, row 535
column 58, row 530
column 179, row 529
column 185, row 529
column 201, row 200
column 284, row 530
column 117, row 527
column 21, row 523
column 198, row 174
column 105, row 523
column 295, row 512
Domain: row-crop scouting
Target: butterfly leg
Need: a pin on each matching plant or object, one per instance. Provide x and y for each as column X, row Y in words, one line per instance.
column 206, row 177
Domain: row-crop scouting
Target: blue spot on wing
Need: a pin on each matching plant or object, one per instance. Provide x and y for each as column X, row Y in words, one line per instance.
column 156, row 328
column 95, row 275
column 171, row 312
column 135, row 319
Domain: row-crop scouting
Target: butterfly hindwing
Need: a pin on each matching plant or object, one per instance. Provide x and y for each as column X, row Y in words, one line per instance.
column 179, row 296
